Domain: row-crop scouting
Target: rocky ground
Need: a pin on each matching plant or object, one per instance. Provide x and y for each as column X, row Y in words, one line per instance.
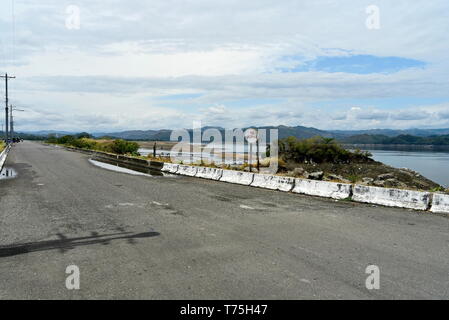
column 371, row 173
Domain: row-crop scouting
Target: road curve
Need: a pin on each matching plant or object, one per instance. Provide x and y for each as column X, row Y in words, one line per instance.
column 140, row 237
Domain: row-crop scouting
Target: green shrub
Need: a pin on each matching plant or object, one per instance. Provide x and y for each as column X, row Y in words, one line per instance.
column 120, row 146
column 65, row 139
column 318, row 150
column 354, row 178
column 84, row 143
column 438, row 189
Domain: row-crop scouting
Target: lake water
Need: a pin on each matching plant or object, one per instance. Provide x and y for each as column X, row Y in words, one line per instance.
column 432, row 165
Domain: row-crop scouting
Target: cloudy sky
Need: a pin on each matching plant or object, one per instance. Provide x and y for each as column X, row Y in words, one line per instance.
column 107, row 65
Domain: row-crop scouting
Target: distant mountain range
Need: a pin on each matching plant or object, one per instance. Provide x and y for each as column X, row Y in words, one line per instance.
column 394, row 133
column 346, row 136
column 403, row 139
column 284, row 131
column 164, row 134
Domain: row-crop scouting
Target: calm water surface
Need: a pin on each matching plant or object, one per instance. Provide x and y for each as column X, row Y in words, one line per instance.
column 432, row 165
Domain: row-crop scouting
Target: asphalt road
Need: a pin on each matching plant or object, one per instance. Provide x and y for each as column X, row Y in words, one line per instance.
column 186, row 238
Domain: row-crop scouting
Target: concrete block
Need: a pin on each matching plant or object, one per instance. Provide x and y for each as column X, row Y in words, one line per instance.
column 209, row 173
column 238, row 177
column 187, row 170
column 3, row 156
column 440, row 203
column 392, row 197
column 170, row 167
column 327, row 189
column 273, row 182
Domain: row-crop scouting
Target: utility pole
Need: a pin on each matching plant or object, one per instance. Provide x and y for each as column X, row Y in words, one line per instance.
column 11, row 107
column 257, row 153
column 11, row 124
column 6, row 105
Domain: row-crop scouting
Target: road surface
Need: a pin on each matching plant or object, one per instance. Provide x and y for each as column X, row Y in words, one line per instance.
column 140, row 237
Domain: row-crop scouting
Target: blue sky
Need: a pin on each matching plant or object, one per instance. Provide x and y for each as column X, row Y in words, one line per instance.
column 165, row 64
column 360, row 64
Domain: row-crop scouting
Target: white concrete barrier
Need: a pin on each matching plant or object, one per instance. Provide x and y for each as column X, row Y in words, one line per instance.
column 238, row 177
column 392, row 197
column 187, row 170
column 327, row 189
column 3, row 156
column 273, row 182
column 170, row 167
column 209, row 173
column 440, row 203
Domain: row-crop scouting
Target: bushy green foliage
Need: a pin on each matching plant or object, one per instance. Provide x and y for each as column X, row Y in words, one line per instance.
column 122, row 146
column 84, row 143
column 318, row 150
column 117, row 146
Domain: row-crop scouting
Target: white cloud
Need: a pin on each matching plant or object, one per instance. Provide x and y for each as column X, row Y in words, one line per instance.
column 128, row 52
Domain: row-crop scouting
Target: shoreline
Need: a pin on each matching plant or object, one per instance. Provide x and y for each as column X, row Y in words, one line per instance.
column 398, row 147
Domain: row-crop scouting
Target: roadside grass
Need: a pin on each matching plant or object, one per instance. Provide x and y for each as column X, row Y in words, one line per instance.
column 117, row 146
column 2, row 146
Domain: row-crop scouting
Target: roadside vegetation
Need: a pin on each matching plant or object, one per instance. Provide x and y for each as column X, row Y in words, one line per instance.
column 2, row 146
column 85, row 141
column 319, row 150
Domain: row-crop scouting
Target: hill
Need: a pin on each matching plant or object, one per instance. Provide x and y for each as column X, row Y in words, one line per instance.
column 374, row 136
column 404, row 139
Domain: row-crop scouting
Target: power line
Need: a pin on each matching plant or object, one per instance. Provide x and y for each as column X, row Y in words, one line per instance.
column 13, row 18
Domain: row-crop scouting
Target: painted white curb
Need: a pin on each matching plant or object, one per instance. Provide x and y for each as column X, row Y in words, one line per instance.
column 238, row 177
column 273, row 182
column 187, row 170
column 327, row 189
column 3, row 156
column 209, row 173
column 170, row 167
column 440, row 203
column 392, row 197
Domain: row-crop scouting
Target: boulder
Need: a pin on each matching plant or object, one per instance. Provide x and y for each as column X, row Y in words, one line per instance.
column 394, row 183
column 379, row 183
column 367, row 180
column 408, row 172
column 337, row 177
column 318, row 175
column 297, row 172
column 385, row 176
